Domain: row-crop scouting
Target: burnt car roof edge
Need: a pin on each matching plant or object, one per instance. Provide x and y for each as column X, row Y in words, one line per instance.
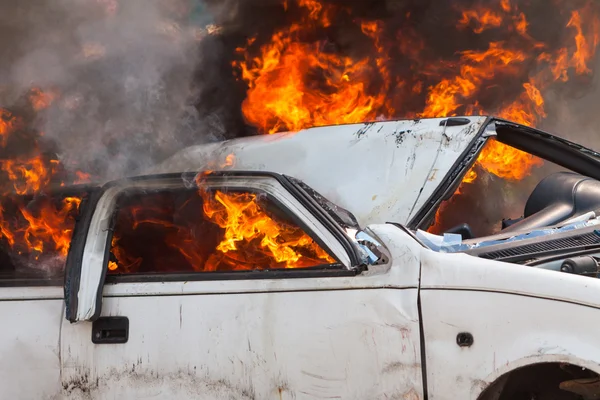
column 555, row 149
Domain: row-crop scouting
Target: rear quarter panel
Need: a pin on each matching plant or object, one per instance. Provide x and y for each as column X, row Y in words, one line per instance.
column 517, row 315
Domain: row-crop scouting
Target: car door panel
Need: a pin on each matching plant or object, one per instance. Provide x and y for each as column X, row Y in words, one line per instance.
column 351, row 344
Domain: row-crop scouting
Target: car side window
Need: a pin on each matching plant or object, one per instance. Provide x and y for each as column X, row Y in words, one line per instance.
column 170, row 231
column 35, row 235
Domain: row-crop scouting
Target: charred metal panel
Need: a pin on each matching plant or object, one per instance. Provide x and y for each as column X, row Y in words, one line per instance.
column 381, row 171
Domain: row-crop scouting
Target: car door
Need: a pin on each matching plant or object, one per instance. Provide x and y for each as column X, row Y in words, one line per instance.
column 35, row 234
column 237, row 287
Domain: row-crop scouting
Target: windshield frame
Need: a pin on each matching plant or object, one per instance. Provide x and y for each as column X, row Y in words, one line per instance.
column 541, row 144
column 342, row 217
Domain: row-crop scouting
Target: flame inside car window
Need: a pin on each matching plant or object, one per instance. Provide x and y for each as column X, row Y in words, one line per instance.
column 498, row 194
column 172, row 231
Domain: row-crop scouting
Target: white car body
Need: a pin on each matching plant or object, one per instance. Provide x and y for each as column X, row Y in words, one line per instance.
column 389, row 331
column 381, row 171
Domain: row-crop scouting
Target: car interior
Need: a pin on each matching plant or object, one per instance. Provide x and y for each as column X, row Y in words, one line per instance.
column 550, row 219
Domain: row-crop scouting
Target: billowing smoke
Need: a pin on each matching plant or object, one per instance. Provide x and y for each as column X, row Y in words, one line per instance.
column 115, row 77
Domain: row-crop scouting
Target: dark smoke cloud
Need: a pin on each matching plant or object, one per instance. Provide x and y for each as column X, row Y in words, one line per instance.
column 122, row 72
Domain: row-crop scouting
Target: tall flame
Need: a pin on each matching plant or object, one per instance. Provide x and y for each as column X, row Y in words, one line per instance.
column 32, row 225
column 585, row 47
column 294, row 83
column 249, row 237
column 283, row 93
column 248, row 227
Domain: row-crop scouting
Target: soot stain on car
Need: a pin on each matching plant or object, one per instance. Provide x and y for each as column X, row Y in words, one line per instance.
column 363, row 131
column 182, row 382
column 400, row 136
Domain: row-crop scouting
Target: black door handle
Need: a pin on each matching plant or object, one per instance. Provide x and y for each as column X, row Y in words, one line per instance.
column 110, row 330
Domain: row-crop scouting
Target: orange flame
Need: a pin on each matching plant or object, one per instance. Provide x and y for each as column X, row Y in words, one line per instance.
column 52, row 225
column 45, row 230
column 444, row 98
column 40, row 100
column 585, row 48
column 247, row 237
column 229, row 161
column 281, row 93
column 247, row 225
column 521, row 23
column 507, row 162
column 505, row 4
column 316, row 11
column 8, row 123
column 484, row 19
column 29, row 175
column 82, row 177
column 35, row 226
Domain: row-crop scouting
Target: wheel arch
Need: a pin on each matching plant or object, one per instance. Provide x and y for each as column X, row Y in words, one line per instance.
column 540, row 374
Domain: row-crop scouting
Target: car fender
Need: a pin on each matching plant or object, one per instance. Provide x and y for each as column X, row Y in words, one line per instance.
column 516, row 316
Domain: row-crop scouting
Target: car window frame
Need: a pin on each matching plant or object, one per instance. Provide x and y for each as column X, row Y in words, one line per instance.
column 93, row 284
column 217, row 275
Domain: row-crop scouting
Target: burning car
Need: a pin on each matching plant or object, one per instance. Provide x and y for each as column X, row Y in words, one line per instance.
column 322, row 263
